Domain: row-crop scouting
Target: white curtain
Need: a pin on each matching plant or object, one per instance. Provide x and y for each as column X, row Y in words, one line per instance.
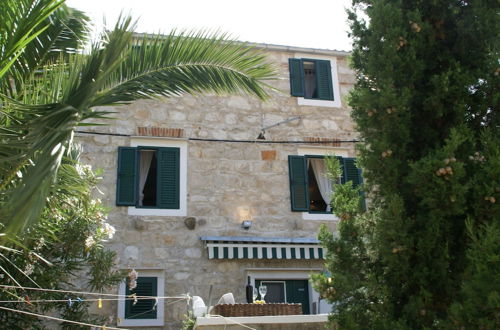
column 324, row 184
column 145, row 163
column 309, row 82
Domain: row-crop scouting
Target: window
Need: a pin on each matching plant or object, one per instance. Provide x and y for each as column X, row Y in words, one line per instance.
column 152, row 177
column 311, row 79
column 148, row 177
column 310, row 189
column 143, row 312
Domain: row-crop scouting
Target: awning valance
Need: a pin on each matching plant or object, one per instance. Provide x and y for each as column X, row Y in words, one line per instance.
column 233, row 247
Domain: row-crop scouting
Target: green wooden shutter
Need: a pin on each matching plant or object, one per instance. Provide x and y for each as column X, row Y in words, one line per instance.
column 168, row 178
column 126, row 178
column 362, row 192
column 353, row 173
column 296, row 77
column 297, row 166
column 324, row 80
column 143, row 308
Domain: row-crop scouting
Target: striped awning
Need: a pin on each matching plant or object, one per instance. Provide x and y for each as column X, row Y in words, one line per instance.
column 234, row 247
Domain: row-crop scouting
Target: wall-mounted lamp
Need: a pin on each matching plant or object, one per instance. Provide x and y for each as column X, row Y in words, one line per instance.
column 264, row 129
column 246, row 224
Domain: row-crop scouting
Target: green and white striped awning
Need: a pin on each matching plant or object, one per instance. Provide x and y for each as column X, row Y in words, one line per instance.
column 234, row 247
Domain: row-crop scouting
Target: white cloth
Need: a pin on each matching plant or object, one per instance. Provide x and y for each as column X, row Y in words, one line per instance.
column 227, row 298
column 324, row 183
column 199, row 307
column 146, row 156
column 310, row 83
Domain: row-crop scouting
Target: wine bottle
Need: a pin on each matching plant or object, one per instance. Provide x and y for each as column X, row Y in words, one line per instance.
column 249, row 291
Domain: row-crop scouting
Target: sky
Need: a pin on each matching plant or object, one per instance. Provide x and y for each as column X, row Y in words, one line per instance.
column 311, row 23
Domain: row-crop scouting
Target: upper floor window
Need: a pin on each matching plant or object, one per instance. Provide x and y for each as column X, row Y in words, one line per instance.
column 148, row 177
column 151, row 177
column 311, row 79
column 310, row 188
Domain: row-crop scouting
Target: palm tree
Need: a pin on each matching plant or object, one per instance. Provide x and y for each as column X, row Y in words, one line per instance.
column 49, row 87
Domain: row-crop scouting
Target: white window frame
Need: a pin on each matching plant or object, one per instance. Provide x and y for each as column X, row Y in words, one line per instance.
column 138, row 141
column 160, row 308
column 336, row 103
column 321, row 151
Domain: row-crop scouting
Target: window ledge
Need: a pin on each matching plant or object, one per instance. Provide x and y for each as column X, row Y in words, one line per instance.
column 318, row 103
column 141, row 323
column 132, row 210
column 319, row 216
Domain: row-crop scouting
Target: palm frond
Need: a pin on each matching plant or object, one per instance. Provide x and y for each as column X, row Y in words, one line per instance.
column 66, row 33
column 186, row 63
column 30, row 162
column 22, row 21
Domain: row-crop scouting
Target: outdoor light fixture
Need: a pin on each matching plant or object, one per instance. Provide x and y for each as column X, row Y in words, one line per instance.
column 263, row 130
column 246, row 224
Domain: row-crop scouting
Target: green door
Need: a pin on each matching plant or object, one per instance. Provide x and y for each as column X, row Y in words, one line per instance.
column 297, row 291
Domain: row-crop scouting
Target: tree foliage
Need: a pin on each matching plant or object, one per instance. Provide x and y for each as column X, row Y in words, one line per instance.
column 62, row 251
column 425, row 103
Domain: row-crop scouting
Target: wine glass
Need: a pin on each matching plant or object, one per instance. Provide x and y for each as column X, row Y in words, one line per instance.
column 262, row 291
column 255, row 294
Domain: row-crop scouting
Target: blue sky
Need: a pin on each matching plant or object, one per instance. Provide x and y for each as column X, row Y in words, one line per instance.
column 312, row 23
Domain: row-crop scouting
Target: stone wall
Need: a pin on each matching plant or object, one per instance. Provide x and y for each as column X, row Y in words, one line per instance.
column 227, row 181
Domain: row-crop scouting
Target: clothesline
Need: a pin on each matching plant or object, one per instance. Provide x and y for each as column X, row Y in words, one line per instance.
column 232, row 322
column 104, row 327
column 184, row 296
column 117, row 297
column 77, row 300
column 90, row 300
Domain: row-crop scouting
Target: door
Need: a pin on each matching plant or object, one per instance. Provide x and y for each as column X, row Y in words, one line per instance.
column 297, row 292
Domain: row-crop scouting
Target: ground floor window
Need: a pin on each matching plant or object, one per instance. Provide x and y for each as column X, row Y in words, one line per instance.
column 286, row 291
column 142, row 312
column 142, row 308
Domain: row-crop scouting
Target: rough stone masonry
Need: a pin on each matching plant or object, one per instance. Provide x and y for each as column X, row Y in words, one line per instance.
column 224, row 179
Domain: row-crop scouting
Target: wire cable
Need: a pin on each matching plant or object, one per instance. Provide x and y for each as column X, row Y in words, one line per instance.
column 239, row 141
column 59, row 319
column 226, row 319
column 86, row 293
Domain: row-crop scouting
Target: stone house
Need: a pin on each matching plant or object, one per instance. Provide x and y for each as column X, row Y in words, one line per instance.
column 201, row 204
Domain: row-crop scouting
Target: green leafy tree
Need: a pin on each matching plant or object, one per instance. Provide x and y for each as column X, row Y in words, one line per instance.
column 49, row 87
column 62, row 251
column 425, row 104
